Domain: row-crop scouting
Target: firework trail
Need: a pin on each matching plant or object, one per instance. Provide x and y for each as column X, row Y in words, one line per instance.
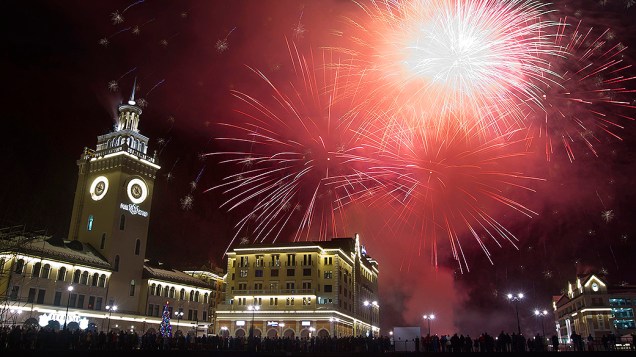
column 452, row 60
column 117, row 17
column 114, row 84
column 105, row 41
column 449, row 182
column 592, row 97
column 222, row 44
column 289, row 151
column 136, row 30
column 299, row 29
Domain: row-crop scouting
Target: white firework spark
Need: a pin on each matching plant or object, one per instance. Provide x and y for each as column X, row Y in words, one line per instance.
column 607, row 215
column 113, row 86
column 186, row 202
column 103, row 41
column 116, row 18
column 221, row 45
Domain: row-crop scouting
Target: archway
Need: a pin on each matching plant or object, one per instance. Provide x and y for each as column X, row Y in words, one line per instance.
column 272, row 332
column 323, row 333
column 289, row 333
column 239, row 333
column 257, row 332
column 304, row 333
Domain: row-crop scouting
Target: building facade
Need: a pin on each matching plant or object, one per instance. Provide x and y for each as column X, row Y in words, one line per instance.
column 99, row 276
column 302, row 289
column 592, row 307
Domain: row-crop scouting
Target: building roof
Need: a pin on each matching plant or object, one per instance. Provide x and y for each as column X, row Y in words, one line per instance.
column 161, row 271
column 49, row 247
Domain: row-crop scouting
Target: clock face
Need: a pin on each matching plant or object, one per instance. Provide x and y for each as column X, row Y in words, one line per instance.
column 98, row 188
column 595, row 286
column 137, row 191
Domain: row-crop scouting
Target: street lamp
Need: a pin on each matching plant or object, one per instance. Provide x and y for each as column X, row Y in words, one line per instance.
column 110, row 312
column 16, row 313
column 253, row 308
column 541, row 314
column 68, row 300
column 311, row 330
column 179, row 316
column 282, row 328
column 516, row 299
column 371, row 305
column 429, row 318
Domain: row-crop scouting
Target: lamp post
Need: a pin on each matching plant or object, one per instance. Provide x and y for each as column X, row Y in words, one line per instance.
column 282, row 328
column 371, row 305
column 68, row 300
column 516, row 299
column 252, row 308
column 429, row 318
column 179, row 315
column 541, row 314
column 110, row 312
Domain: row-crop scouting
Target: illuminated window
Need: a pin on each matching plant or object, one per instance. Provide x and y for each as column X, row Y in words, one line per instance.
column 90, row 223
column 328, row 274
column 307, row 301
column 132, row 288
column 290, row 301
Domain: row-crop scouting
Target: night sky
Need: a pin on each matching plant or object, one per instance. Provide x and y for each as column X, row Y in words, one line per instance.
column 187, row 56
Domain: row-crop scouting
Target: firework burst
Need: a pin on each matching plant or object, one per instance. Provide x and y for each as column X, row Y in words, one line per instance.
column 468, row 60
column 295, row 147
column 591, row 99
column 450, row 182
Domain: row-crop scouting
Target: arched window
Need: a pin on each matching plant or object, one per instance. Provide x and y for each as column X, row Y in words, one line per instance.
column 2, row 264
column 153, row 289
column 116, row 267
column 35, row 272
column 159, row 291
column 19, row 266
column 46, row 271
column 182, row 294
column 102, row 281
column 61, row 274
column 95, row 279
column 76, row 276
column 137, row 246
column 103, row 243
column 132, row 288
column 191, row 295
column 166, row 292
column 196, row 297
column 84, row 279
column 122, row 222
column 205, row 298
column 172, row 292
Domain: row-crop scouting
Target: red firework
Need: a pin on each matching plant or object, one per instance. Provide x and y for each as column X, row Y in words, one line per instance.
column 291, row 149
column 450, row 182
column 592, row 98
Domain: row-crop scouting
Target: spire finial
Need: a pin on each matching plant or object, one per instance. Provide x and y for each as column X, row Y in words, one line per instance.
column 132, row 94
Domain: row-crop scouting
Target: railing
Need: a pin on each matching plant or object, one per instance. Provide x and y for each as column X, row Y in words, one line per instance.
column 116, row 149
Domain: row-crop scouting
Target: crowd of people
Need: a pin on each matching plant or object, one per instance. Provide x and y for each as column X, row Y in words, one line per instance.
column 36, row 338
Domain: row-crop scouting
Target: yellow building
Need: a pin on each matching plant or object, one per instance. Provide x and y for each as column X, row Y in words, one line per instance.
column 302, row 289
column 100, row 276
column 592, row 307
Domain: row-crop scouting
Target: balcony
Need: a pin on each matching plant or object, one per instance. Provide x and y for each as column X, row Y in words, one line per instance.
column 275, row 292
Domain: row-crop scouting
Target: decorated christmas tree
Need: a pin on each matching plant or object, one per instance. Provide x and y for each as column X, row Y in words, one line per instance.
column 165, row 329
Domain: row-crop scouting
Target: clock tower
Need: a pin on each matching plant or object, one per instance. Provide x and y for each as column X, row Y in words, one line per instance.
column 111, row 210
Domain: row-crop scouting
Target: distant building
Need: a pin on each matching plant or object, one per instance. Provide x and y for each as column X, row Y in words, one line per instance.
column 302, row 289
column 592, row 307
column 99, row 277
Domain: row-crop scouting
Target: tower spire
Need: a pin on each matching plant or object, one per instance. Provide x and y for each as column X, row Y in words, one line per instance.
column 132, row 94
